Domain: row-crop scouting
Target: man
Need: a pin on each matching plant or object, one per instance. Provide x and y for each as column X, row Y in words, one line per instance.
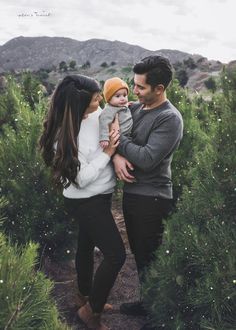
column 143, row 162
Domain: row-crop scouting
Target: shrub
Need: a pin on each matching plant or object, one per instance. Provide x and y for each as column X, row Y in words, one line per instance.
column 34, row 207
column 191, row 283
column 25, row 295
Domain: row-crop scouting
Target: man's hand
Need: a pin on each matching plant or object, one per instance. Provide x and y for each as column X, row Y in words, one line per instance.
column 122, row 165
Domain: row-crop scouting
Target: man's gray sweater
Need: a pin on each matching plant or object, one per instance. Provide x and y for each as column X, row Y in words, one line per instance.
column 155, row 135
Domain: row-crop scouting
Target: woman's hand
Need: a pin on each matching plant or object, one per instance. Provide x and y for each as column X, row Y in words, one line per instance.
column 113, row 143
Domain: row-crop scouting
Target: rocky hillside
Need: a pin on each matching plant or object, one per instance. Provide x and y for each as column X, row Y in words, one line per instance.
column 44, row 52
column 98, row 58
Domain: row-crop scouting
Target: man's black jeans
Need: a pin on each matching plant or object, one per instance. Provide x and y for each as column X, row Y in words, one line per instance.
column 96, row 228
column 143, row 218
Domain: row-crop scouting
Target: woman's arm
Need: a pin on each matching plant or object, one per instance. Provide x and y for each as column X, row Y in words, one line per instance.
column 89, row 171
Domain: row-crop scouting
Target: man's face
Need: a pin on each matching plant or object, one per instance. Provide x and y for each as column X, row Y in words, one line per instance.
column 144, row 92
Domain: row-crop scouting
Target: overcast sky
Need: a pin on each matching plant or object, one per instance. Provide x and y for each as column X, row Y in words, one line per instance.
column 205, row 27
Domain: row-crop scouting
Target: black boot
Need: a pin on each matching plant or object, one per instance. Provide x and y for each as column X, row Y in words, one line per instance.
column 147, row 326
column 133, row 308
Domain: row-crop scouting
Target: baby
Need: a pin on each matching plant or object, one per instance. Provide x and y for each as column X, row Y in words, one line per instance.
column 115, row 92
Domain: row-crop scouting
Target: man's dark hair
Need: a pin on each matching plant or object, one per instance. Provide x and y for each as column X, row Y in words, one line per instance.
column 158, row 70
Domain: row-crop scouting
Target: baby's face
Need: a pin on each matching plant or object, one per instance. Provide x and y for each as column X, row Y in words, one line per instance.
column 120, row 98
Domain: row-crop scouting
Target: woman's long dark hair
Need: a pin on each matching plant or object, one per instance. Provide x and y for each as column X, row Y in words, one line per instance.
column 68, row 104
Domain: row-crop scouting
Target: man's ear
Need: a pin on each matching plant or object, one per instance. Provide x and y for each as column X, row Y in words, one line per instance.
column 159, row 89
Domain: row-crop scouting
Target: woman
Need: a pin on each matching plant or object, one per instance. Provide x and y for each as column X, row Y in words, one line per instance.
column 70, row 146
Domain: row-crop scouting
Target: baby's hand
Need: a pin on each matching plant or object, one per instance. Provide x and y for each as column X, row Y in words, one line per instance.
column 104, row 144
column 130, row 103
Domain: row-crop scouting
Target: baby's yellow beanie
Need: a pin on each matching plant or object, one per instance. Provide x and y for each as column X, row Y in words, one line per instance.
column 111, row 86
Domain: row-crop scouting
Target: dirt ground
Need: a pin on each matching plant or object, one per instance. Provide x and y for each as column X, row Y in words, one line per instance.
column 126, row 287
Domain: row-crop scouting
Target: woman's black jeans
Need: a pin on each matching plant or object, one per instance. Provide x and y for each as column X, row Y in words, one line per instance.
column 96, row 228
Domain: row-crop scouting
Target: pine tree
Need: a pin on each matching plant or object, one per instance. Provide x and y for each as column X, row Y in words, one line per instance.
column 9, row 104
column 25, row 293
column 194, row 140
column 191, row 283
column 72, row 64
column 31, row 88
column 34, row 206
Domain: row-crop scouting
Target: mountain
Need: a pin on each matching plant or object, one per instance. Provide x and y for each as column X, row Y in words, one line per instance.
column 104, row 57
column 44, row 52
